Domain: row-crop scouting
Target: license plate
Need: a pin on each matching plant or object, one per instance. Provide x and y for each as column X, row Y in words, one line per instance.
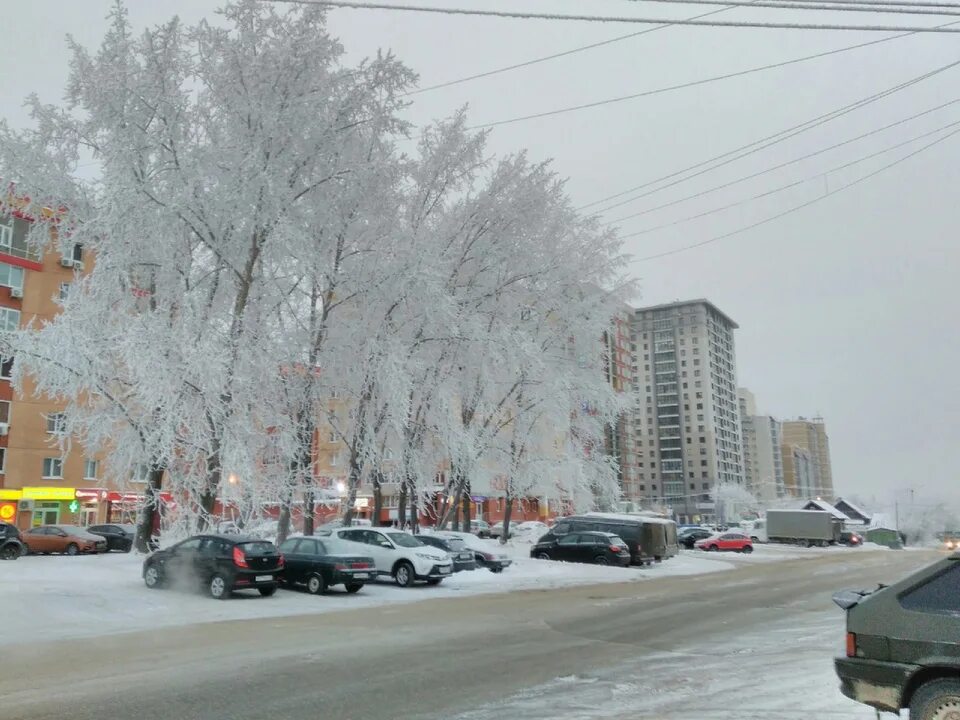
column 361, row 576
column 444, row 571
column 264, row 578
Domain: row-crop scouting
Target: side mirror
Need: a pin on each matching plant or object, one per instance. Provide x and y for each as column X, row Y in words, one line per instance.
column 385, row 544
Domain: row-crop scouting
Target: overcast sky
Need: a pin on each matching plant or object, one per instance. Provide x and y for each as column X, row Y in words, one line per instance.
column 846, row 308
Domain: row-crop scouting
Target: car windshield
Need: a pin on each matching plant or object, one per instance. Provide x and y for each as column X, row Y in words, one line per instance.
column 72, row 529
column 404, row 540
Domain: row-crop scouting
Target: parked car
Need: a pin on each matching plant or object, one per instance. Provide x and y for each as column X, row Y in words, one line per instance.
column 903, row 643
column 400, row 555
column 67, row 539
column 11, row 546
column 649, row 538
column 462, row 556
column 317, row 564
column 118, row 537
column 487, row 555
column 480, row 528
column 730, row 541
column 850, row 538
column 529, row 529
column 599, row 548
column 689, row 536
column 496, row 531
column 219, row 563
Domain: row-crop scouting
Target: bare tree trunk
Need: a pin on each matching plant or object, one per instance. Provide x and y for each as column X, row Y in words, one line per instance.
column 402, row 504
column 466, row 508
column 507, row 512
column 150, row 509
column 309, row 505
column 414, row 511
column 283, row 522
column 377, row 498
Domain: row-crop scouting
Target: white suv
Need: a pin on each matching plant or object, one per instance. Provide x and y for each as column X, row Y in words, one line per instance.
column 400, row 555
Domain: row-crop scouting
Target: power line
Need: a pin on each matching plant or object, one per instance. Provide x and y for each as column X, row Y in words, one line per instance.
column 795, row 208
column 785, row 164
column 865, row 6
column 802, row 181
column 615, row 19
column 671, row 88
column 761, row 144
column 555, row 56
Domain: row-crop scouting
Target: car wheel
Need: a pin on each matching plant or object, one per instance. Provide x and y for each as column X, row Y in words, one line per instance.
column 218, row 587
column 936, row 700
column 353, row 587
column 601, row 560
column 404, row 574
column 268, row 590
column 434, row 581
column 316, row 585
column 747, row 549
column 713, row 548
column 9, row 552
column 496, row 570
column 543, row 556
column 152, row 578
column 72, row 549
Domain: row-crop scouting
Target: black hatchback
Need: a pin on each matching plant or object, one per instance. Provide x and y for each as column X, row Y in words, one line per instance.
column 118, row 537
column 587, row 547
column 220, row 564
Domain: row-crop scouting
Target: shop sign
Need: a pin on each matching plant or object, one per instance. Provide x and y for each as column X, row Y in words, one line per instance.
column 73, row 506
column 8, row 511
column 49, row 493
column 361, row 503
column 11, row 494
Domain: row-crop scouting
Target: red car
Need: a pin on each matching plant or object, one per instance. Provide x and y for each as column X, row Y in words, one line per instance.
column 737, row 542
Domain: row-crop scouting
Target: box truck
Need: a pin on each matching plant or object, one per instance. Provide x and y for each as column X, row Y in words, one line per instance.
column 803, row 527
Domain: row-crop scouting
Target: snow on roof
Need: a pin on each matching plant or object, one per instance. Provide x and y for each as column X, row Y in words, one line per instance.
column 631, row 517
column 827, row 507
column 853, row 507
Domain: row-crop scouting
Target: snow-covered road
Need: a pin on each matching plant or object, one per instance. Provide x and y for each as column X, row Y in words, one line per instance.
column 55, row 597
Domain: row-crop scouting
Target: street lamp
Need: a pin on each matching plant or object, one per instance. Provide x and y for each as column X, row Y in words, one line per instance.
column 341, row 487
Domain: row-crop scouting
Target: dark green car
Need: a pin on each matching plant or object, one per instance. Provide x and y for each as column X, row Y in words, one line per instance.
column 903, row 644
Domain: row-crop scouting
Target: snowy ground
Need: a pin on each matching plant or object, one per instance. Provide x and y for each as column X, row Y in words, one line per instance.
column 54, row 597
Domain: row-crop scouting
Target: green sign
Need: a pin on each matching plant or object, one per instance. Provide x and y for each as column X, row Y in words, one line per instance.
column 74, row 506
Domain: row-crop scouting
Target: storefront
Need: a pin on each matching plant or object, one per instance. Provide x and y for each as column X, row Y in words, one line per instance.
column 8, row 505
column 46, row 506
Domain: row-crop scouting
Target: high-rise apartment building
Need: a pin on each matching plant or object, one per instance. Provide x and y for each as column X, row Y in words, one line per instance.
column 620, row 437
column 811, row 435
column 762, row 457
column 799, row 472
column 686, row 415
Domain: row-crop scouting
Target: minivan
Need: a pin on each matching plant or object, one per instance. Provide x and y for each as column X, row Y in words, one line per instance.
column 649, row 538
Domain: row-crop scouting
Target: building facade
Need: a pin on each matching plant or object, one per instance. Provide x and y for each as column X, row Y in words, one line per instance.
column 686, row 412
column 42, row 480
column 811, row 435
column 799, row 472
column 621, row 442
column 762, row 455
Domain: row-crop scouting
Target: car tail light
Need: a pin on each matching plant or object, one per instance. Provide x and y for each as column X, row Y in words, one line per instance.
column 615, row 548
column 851, row 644
column 239, row 559
column 359, row 565
column 339, row 566
column 282, row 561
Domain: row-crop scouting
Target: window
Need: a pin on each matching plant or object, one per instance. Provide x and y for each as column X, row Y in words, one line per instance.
column 4, row 411
column 191, row 544
column 141, row 473
column 701, row 428
column 693, row 486
column 938, row 595
column 332, row 437
column 53, row 468
column 699, row 406
column 569, row 540
column 653, row 487
column 643, row 488
column 334, row 394
column 9, row 319
column 703, row 439
column 6, row 368
column 91, row 469
column 77, row 253
column 64, row 291
column 334, row 459
column 56, row 423
column 6, row 233
column 706, row 486
column 3, row 460
column 703, row 463
column 11, row 276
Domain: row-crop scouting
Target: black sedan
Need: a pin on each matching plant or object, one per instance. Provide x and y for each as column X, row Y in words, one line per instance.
column 219, row 563
column 689, row 536
column 587, row 547
column 462, row 556
column 314, row 563
column 118, row 537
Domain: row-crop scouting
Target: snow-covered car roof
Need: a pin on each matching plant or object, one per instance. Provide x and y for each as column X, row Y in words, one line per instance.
column 631, row 518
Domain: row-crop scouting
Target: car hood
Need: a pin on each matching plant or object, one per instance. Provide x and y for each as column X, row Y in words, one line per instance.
column 433, row 553
column 86, row 536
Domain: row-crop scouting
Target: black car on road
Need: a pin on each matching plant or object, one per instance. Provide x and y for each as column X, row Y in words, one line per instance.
column 689, row 536
column 11, row 546
column 587, row 547
column 314, row 563
column 118, row 537
column 903, row 644
column 219, row 563
column 462, row 556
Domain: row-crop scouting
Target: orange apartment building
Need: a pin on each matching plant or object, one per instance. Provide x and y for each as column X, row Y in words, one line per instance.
column 38, row 483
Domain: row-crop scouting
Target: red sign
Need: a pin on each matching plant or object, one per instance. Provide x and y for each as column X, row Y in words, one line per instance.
column 8, row 511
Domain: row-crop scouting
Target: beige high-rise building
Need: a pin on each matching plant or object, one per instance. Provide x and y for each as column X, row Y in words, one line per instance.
column 811, row 435
column 686, row 418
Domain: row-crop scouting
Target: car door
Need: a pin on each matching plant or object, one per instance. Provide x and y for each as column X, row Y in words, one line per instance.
column 292, row 560
column 179, row 564
column 307, row 554
column 381, row 549
column 566, row 548
column 728, row 541
column 590, row 546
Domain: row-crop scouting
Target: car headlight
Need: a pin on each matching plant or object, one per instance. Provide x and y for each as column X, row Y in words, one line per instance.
column 427, row 557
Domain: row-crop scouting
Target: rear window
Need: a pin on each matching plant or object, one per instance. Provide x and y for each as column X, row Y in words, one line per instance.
column 258, row 548
column 939, row 595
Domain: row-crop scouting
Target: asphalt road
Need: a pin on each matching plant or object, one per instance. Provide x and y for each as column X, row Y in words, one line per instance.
column 434, row 659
